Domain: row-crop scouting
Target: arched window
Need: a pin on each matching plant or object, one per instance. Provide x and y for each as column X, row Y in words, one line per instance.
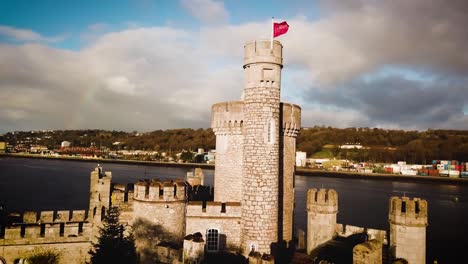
column 212, row 240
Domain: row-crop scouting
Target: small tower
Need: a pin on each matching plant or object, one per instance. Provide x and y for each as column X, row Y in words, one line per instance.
column 408, row 221
column 99, row 201
column 322, row 207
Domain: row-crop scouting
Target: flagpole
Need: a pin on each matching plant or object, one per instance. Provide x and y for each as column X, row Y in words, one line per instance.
column 272, row 32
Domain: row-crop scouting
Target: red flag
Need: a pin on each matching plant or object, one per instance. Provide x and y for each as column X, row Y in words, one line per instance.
column 280, row 28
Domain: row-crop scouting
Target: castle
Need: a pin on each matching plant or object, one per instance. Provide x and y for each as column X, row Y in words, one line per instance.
column 252, row 210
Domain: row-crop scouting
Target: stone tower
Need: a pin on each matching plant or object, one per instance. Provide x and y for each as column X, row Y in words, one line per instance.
column 408, row 221
column 322, row 207
column 99, row 201
column 261, row 157
column 255, row 150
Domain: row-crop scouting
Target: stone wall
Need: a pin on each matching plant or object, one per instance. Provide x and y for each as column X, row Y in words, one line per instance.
column 262, row 68
column 347, row 230
column 67, row 232
column 322, row 207
column 214, row 215
column 408, row 221
column 70, row 252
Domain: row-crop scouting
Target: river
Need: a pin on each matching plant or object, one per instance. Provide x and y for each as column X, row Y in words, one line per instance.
column 36, row 184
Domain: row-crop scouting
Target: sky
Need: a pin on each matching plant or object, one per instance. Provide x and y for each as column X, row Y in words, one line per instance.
column 146, row 65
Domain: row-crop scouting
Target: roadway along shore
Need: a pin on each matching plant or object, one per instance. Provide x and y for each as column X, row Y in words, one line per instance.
column 299, row 171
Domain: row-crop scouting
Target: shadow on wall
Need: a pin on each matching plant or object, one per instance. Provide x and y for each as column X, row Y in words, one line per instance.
column 147, row 236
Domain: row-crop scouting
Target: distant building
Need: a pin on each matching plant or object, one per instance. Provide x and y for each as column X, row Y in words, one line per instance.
column 65, row 144
column 301, row 158
column 351, row 146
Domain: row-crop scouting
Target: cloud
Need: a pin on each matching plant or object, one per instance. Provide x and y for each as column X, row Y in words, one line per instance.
column 207, row 11
column 25, row 35
column 147, row 78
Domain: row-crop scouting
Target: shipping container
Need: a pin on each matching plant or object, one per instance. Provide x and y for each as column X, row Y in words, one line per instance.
column 444, row 173
column 454, row 174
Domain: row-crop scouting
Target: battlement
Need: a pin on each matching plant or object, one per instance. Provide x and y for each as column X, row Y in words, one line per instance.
column 322, row 201
column 47, row 217
column 47, row 227
column 99, row 173
column 260, row 52
column 227, row 118
column 213, row 209
column 407, row 211
column 158, row 191
column 291, row 119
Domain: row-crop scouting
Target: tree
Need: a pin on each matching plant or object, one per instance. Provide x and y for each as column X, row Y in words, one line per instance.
column 113, row 245
column 43, row 256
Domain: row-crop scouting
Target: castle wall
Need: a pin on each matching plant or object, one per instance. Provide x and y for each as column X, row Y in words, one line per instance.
column 216, row 216
column 408, row 221
column 67, row 232
column 71, row 252
column 227, row 124
column 322, row 207
column 262, row 68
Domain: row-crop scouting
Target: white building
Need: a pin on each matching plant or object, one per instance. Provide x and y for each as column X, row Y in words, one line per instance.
column 65, row 144
column 301, row 158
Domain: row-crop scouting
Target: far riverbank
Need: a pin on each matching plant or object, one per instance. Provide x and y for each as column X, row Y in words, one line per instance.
column 299, row 171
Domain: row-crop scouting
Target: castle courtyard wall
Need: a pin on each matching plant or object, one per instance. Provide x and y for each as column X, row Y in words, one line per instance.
column 200, row 219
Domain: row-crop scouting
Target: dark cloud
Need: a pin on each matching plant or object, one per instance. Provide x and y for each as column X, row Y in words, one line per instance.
column 398, row 102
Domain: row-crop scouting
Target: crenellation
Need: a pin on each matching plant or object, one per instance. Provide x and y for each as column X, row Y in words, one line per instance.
column 157, row 191
column 46, row 216
column 213, row 209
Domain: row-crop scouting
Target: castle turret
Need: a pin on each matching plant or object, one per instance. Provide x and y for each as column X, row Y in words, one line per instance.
column 290, row 125
column 261, row 156
column 322, row 207
column 227, row 123
column 408, row 221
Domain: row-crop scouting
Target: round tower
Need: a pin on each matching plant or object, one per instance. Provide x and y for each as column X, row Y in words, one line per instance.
column 160, row 206
column 227, row 121
column 408, row 221
column 322, row 207
column 261, row 156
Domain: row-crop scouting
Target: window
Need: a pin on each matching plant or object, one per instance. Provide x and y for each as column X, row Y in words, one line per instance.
column 42, row 233
column 253, row 247
column 62, row 229
column 212, row 240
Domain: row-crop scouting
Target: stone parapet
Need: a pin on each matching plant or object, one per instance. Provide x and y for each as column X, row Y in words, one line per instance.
column 47, row 217
column 322, row 201
column 408, row 212
column 291, row 115
column 213, row 209
column 347, row 230
column 227, row 118
column 260, row 52
column 42, row 233
column 160, row 191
